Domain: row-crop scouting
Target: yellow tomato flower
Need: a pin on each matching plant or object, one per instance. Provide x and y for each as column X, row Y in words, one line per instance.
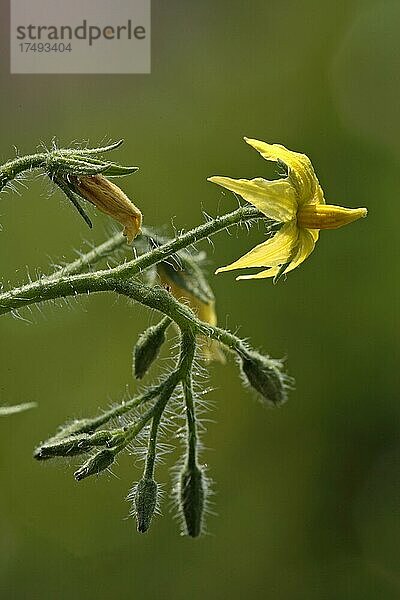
column 297, row 201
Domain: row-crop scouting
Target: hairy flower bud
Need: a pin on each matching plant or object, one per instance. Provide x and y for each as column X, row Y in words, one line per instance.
column 97, row 463
column 265, row 376
column 148, row 347
column 71, row 445
column 111, row 200
column 145, row 500
column 192, row 494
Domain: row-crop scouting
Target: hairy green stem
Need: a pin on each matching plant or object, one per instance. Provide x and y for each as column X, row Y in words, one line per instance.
column 183, row 368
column 14, row 167
column 152, row 446
column 184, row 240
column 50, row 288
column 161, row 300
column 123, row 408
column 157, row 412
column 87, row 259
column 154, row 297
column 60, row 285
column 157, row 408
column 187, row 385
column 90, row 258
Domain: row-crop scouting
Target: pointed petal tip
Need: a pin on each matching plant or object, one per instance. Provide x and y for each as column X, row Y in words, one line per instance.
column 253, row 142
column 243, row 277
column 353, row 214
column 246, row 277
column 218, row 179
column 358, row 213
column 226, row 182
column 266, row 274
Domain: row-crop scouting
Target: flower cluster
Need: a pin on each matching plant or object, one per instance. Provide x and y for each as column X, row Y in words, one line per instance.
column 169, row 277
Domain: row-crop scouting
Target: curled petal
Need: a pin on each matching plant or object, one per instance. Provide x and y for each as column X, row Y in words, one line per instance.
column 275, row 251
column 111, row 200
column 306, row 244
column 301, row 172
column 275, row 199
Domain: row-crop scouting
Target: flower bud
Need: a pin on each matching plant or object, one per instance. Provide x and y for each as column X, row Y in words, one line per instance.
column 192, row 493
column 97, row 463
column 70, row 446
column 145, row 500
column 265, row 376
column 148, row 347
column 111, row 200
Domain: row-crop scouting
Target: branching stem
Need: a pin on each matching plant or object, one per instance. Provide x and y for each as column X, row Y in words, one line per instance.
column 116, row 279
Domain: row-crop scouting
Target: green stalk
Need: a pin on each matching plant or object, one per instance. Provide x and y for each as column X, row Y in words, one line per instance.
column 11, row 169
column 90, row 258
column 192, row 440
column 49, row 288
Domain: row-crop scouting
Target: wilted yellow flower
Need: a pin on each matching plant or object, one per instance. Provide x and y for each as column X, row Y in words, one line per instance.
column 203, row 308
column 297, row 201
column 111, row 200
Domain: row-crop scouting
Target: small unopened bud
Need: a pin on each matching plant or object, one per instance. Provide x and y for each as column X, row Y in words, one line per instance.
column 148, row 347
column 265, row 376
column 145, row 500
column 111, row 200
column 71, row 446
column 97, row 463
column 192, row 494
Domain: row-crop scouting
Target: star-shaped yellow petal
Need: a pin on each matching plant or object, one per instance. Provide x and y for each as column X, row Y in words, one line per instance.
column 275, row 251
column 301, row 173
column 305, row 245
column 275, row 199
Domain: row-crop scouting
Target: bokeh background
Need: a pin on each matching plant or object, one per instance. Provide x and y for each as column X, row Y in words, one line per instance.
column 308, row 495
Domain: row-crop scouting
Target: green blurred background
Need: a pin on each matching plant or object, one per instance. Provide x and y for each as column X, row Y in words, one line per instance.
column 307, row 495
